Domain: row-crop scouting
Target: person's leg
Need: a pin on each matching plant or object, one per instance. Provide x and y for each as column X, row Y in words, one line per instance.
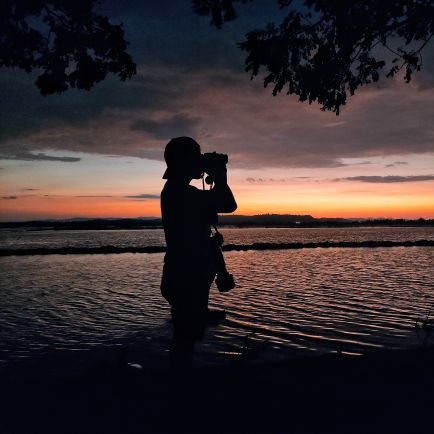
column 212, row 316
column 183, row 340
column 189, row 318
column 181, row 351
column 180, row 392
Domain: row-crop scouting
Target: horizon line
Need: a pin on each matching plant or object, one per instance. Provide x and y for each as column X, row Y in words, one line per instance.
column 223, row 215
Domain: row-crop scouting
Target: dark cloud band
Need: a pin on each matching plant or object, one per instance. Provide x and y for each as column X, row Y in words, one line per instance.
column 29, row 156
column 388, row 179
column 144, row 196
column 175, row 126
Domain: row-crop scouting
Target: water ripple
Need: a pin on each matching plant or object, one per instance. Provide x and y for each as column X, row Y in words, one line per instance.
column 286, row 302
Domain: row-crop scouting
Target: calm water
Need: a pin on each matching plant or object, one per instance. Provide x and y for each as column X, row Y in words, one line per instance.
column 287, row 302
column 16, row 239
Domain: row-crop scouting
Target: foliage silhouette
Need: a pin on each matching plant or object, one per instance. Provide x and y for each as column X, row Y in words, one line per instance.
column 324, row 50
column 68, row 41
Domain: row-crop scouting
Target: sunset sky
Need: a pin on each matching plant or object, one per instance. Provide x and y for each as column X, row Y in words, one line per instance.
column 100, row 153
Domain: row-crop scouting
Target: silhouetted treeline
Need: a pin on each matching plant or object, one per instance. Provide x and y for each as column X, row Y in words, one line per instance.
column 261, row 220
column 86, row 224
column 307, row 221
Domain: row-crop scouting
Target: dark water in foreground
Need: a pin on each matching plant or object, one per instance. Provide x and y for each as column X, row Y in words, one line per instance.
column 287, row 302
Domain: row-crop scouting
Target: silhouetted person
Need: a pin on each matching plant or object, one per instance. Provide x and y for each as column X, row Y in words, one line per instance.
column 189, row 268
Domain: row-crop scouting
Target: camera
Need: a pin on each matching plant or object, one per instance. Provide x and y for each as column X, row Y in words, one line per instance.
column 224, row 280
column 213, row 162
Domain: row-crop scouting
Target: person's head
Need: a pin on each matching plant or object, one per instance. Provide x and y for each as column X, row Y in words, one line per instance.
column 183, row 159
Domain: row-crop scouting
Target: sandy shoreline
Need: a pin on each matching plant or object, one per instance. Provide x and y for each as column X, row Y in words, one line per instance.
column 382, row 392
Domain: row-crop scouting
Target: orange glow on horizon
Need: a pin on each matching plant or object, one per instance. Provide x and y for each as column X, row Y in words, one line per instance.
column 30, row 208
column 69, row 207
column 338, row 199
column 298, row 197
column 394, row 212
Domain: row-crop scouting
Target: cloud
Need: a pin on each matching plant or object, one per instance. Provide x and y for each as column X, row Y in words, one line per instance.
column 363, row 163
column 175, row 126
column 29, row 189
column 268, row 180
column 144, row 196
column 77, row 109
column 10, row 197
column 119, row 119
column 80, row 195
column 388, row 179
column 334, row 124
column 29, row 156
column 397, row 163
column 234, row 116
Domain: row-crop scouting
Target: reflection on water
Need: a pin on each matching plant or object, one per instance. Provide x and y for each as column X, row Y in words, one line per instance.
column 19, row 239
column 286, row 302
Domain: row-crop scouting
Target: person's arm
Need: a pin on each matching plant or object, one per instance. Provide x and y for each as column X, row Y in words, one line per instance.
column 222, row 196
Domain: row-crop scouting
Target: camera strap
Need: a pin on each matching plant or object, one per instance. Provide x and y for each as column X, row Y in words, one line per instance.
column 217, row 232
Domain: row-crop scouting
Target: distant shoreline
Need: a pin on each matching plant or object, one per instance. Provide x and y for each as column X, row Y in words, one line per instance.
column 221, row 226
column 227, row 221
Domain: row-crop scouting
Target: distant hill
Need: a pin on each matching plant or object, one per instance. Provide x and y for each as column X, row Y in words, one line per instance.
column 289, row 220
column 264, row 219
column 261, row 220
column 86, row 224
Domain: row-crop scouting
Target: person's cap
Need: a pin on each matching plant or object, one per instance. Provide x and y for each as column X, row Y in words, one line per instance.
column 178, row 152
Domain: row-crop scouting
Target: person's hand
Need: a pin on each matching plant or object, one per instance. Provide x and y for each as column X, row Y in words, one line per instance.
column 220, row 175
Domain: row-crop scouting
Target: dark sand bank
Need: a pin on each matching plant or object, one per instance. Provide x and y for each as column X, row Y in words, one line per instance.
column 382, row 392
column 226, row 247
